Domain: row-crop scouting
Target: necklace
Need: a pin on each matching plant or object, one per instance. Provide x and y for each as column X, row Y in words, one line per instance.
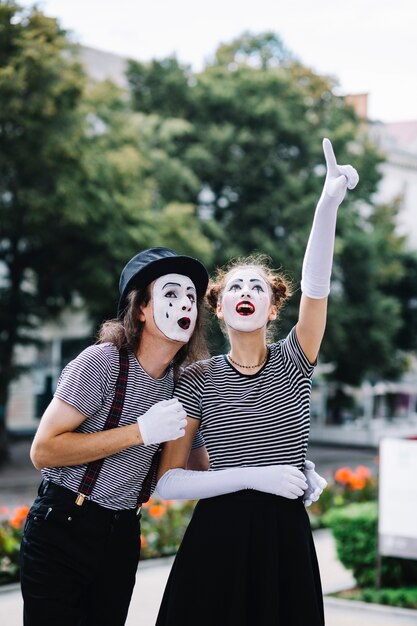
column 249, row 367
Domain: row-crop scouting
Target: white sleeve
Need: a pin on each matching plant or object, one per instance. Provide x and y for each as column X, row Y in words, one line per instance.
column 281, row 480
column 318, row 258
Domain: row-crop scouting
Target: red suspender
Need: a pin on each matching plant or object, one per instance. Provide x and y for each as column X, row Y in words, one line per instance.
column 93, row 469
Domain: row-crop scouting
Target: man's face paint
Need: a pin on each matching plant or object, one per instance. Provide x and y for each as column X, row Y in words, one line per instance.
column 246, row 301
column 174, row 303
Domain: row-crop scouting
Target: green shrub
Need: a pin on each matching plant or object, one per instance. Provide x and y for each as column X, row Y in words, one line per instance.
column 355, row 529
column 405, row 597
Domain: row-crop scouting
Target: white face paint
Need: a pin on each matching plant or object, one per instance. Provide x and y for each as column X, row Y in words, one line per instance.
column 246, row 300
column 174, row 303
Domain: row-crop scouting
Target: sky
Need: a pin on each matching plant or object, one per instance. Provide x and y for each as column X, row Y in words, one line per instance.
column 369, row 46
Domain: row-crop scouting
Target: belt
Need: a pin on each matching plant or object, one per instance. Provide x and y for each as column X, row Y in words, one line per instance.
column 62, row 494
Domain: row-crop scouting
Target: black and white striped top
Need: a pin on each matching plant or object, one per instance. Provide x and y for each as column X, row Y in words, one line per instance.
column 248, row 420
column 88, row 384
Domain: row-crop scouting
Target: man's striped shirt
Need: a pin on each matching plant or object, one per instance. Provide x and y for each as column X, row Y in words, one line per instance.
column 88, row 383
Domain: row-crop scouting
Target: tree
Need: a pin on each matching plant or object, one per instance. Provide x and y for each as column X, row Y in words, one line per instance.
column 79, row 186
column 362, row 340
column 255, row 121
column 39, row 128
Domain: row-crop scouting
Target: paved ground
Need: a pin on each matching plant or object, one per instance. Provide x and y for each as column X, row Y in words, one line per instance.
column 152, row 576
column 18, row 483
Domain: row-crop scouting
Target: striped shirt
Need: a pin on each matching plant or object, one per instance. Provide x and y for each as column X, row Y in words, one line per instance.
column 88, row 383
column 252, row 420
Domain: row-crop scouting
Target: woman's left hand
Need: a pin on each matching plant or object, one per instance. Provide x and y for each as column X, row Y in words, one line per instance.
column 315, row 484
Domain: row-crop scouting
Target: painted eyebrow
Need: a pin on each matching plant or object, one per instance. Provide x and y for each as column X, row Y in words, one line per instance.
column 177, row 285
column 251, row 280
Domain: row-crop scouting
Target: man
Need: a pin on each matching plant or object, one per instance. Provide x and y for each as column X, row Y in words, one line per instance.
column 98, row 441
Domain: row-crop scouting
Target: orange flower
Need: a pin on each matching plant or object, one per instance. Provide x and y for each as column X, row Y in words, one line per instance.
column 19, row 516
column 4, row 510
column 147, row 504
column 357, row 482
column 167, row 502
column 343, row 475
column 157, row 510
column 143, row 542
column 363, row 472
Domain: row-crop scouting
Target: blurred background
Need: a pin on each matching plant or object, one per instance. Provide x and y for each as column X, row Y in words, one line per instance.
column 129, row 125
column 124, row 127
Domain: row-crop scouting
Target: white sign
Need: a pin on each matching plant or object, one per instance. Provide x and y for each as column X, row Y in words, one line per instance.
column 397, row 525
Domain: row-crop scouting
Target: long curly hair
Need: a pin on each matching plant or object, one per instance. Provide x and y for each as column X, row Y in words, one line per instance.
column 126, row 331
column 281, row 286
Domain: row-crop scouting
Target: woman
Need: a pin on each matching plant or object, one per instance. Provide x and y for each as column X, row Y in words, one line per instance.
column 248, row 556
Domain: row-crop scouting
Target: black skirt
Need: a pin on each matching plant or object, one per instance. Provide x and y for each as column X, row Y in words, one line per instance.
column 247, row 559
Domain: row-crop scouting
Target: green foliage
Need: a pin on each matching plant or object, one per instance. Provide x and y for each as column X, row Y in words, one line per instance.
column 164, row 82
column 371, row 261
column 261, row 51
column 404, row 291
column 254, row 141
column 404, row 597
column 84, row 184
column 355, row 530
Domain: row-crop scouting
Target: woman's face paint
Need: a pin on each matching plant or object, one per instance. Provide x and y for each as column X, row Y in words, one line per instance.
column 246, row 301
column 174, row 303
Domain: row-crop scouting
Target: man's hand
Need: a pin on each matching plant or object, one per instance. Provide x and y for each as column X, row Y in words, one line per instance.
column 339, row 177
column 315, row 484
column 164, row 421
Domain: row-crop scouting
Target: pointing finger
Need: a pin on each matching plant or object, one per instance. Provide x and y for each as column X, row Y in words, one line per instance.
column 329, row 155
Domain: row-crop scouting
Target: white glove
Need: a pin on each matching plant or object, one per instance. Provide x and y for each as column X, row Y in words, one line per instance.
column 164, row 421
column 318, row 258
column 280, row 480
column 315, row 484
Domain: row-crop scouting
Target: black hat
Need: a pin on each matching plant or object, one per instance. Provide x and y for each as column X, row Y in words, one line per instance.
column 155, row 262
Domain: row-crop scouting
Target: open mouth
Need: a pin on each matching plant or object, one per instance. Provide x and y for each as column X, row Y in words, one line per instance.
column 245, row 308
column 184, row 323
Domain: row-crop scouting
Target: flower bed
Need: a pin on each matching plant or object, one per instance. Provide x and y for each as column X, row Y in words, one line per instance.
column 11, row 528
column 349, row 486
column 163, row 525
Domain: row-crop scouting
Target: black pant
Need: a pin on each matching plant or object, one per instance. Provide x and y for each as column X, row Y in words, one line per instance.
column 78, row 563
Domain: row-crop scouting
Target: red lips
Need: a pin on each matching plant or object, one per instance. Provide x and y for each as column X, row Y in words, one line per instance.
column 245, row 308
column 184, row 323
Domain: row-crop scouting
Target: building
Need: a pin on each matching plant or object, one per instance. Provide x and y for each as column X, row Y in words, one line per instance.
column 398, row 142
